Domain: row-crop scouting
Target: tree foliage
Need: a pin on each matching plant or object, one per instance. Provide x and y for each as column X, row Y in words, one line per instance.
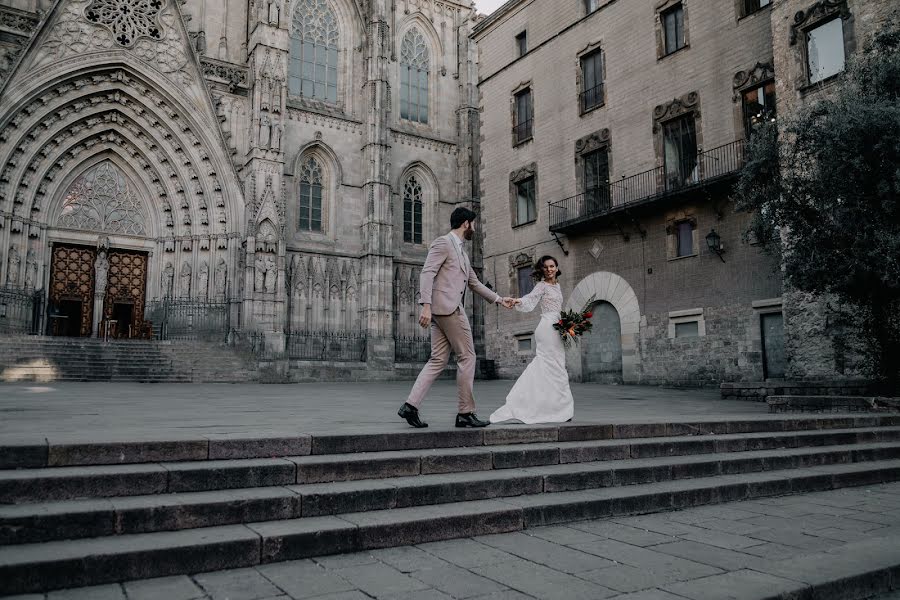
column 823, row 187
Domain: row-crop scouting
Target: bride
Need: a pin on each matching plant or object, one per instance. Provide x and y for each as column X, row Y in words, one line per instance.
column 542, row 394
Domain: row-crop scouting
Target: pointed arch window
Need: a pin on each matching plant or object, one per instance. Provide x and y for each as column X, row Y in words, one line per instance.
column 314, row 51
column 310, row 213
column 414, row 69
column 412, row 211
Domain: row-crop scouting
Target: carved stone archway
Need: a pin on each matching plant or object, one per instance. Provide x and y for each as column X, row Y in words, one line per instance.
column 612, row 288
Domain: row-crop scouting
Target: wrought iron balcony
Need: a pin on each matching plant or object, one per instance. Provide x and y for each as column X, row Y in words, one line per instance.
column 705, row 168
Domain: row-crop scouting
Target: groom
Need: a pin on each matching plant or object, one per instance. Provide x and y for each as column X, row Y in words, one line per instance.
column 442, row 288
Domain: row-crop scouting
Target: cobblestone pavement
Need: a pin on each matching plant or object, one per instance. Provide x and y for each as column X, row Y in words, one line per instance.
column 744, row 550
column 95, row 411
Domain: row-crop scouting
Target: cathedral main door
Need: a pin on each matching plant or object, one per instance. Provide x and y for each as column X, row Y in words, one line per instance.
column 71, row 300
column 83, row 280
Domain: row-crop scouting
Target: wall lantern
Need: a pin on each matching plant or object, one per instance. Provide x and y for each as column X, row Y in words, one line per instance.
column 714, row 243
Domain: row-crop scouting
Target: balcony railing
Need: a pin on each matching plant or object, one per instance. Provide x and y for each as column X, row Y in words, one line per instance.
column 522, row 131
column 591, row 98
column 708, row 166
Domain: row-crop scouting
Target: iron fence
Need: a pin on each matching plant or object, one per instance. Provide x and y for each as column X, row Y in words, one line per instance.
column 188, row 319
column 20, row 311
column 708, row 166
column 591, row 98
column 412, row 349
column 337, row 346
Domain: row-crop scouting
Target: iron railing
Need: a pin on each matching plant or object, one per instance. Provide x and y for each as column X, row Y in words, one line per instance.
column 591, row 98
column 707, row 167
column 188, row 319
column 522, row 131
column 336, row 346
column 20, row 311
column 412, row 349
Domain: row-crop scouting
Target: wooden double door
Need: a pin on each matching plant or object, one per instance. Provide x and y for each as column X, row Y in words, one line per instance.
column 75, row 307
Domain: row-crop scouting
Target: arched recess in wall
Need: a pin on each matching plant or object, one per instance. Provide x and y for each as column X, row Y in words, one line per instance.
column 316, row 164
column 609, row 287
column 417, row 26
column 312, row 19
column 417, row 178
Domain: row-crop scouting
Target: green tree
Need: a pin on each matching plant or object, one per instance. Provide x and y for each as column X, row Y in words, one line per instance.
column 823, row 188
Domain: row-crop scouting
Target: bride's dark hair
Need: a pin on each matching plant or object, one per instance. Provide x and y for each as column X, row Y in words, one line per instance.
column 538, row 273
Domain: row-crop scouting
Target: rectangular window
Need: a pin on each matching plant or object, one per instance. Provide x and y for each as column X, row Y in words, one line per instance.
column 825, row 50
column 591, row 5
column 310, row 207
column 523, row 117
column 751, row 6
column 673, row 28
column 526, row 207
column 689, row 329
column 522, row 43
column 525, row 280
column 596, row 181
column 680, row 152
column 592, row 81
column 684, row 232
column 758, row 106
column 523, row 344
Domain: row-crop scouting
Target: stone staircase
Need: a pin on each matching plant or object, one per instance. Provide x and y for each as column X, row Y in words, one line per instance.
column 76, row 514
column 38, row 358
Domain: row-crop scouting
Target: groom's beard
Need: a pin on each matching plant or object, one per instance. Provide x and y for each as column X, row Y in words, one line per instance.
column 469, row 234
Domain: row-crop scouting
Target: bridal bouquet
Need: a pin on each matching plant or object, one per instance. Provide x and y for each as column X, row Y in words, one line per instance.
column 572, row 324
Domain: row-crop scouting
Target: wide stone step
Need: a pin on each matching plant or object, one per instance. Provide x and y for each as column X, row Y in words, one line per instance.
column 89, row 518
column 54, row 453
column 46, row 566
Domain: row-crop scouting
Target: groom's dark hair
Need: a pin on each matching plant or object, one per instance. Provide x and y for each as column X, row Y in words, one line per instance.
column 460, row 215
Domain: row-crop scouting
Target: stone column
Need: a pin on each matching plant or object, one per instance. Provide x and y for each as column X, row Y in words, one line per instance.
column 377, row 260
column 101, row 275
column 268, row 57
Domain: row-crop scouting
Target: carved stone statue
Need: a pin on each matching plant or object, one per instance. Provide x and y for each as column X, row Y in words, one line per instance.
column 12, row 272
column 259, row 274
column 271, row 275
column 265, row 132
column 101, row 272
column 221, row 276
column 30, row 270
column 203, row 280
column 186, row 279
column 274, row 12
column 276, row 136
column 168, row 279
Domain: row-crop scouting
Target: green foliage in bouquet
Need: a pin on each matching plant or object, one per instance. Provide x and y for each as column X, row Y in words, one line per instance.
column 572, row 325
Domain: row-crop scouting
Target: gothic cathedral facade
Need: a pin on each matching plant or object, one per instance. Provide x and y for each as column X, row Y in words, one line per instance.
column 273, row 167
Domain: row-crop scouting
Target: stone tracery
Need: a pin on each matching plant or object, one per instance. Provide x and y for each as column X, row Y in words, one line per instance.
column 102, row 200
column 128, row 20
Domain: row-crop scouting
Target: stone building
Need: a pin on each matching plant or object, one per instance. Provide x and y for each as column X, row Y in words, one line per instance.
column 811, row 43
column 611, row 133
column 273, row 168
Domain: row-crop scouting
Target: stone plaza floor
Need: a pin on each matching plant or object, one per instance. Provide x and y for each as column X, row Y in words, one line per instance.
column 748, row 550
column 101, row 411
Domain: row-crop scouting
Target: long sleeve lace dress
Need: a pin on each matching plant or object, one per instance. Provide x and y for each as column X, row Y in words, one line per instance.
column 541, row 394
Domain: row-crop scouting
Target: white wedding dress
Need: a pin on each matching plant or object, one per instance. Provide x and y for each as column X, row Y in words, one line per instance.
column 541, row 394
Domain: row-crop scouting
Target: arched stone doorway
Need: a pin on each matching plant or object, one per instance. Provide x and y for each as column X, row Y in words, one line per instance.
column 601, row 355
column 617, row 295
column 98, row 285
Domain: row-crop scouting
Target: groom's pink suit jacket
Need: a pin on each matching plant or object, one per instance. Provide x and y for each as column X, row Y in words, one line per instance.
column 446, row 274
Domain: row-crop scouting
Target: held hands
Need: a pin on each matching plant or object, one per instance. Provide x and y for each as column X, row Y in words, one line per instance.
column 509, row 302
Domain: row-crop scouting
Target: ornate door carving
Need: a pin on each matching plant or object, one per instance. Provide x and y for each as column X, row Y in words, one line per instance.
column 72, row 279
column 127, row 286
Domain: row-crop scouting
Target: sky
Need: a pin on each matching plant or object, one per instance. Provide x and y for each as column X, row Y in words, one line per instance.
column 488, row 6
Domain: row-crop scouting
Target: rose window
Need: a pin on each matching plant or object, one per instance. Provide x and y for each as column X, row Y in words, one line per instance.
column 129, row 20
